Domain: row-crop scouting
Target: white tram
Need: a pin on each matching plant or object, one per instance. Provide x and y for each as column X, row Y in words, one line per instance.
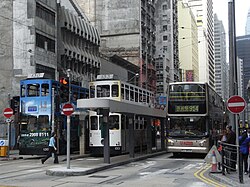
column 120, row 91
column 118, row 123
column 118, row 133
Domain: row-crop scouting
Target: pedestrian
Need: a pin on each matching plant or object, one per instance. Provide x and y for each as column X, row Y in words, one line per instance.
column 231, row 149
column 52, row 149
column 244, row 149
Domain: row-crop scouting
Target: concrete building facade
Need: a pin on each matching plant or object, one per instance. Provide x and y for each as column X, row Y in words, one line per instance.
column 6, row 58
column 203, row 11
column 188, row 43
column 41, row 36
column 221, row 70
column 127, row 29
column 167, row 51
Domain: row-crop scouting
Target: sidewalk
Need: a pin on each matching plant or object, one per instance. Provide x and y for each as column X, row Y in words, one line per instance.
column 231, row 179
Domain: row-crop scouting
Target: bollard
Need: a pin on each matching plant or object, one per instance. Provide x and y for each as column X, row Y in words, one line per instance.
column 214, row 164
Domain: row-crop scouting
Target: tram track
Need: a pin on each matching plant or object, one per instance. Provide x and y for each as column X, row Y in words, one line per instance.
column 23, row 171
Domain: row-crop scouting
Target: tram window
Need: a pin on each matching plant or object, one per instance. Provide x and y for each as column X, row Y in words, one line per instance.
column 127, row 92
column 92, row 91
column 103, row 91
column 45, row 90
column 33, row 90
column 94, row 123
column 122, row 91
column 136, row 124
column 136, row 95
column 115, row 91
column 22, row 90
column 114, row 122
column 148, row 98
column 132, row 94
column 32, row 123
column 144, row 96
column 140, row 96
column 74, row 96
column 43, row 122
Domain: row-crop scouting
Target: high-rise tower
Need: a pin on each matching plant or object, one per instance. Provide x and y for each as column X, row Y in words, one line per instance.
column 203, row 11
column 221, row 66
column 248, row 23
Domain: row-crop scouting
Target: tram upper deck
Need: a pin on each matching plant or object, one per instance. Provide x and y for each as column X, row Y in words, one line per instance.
column 120, row 91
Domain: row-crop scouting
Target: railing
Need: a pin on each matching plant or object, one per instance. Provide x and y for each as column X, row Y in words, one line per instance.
column 229, row 161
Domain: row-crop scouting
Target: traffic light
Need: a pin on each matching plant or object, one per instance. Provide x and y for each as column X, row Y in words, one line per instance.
column 64, row 81
column 14, row 104
column 64, row 93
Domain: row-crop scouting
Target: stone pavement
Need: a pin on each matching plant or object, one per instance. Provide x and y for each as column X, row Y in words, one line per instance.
column 231, row 179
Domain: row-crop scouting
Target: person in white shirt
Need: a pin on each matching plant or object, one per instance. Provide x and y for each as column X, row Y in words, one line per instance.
column 52, row 149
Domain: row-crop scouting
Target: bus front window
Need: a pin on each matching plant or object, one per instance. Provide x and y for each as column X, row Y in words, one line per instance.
column 189, row 126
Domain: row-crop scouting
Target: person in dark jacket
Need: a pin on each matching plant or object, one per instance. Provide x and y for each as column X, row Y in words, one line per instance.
column 244, row 141
column 232, row 151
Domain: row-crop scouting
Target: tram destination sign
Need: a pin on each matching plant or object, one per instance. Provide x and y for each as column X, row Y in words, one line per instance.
column 236, row 104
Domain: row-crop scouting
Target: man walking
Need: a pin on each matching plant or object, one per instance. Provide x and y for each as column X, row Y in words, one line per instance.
column 52, row 149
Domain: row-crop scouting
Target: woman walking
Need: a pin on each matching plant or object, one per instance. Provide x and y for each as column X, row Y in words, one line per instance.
column 52, row 149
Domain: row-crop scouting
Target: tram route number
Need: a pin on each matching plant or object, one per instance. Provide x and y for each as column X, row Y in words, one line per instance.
column 35, row 134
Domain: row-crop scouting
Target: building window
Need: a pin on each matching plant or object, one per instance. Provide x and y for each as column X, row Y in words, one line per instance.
column 164, row 7
column 165, row 38
column 45, row 14
column 165, row 27
column 45, row 43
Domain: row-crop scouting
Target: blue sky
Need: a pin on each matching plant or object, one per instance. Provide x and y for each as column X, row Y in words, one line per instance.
column 241, row 9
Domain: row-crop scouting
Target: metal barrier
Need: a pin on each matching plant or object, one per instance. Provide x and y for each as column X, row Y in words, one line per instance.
column 229, row 160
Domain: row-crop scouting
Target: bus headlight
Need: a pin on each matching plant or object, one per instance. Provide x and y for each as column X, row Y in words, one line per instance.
column 202, row 143
column 170, row 142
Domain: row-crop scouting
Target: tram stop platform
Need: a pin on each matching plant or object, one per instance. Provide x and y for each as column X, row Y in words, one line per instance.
column 91, row 165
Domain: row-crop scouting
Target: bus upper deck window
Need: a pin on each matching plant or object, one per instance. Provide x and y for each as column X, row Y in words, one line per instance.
column 45, row 90
column 33, row 90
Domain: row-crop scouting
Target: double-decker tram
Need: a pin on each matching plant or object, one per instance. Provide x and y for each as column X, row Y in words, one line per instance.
column 105, row 87
column 118, row 133
column 41, row 101
column 193, row 110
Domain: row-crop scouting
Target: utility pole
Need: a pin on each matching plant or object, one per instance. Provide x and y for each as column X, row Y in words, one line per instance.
column 233, row 82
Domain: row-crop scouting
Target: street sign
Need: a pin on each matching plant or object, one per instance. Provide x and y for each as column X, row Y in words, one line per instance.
column 8, row 112
column 68, row 109
column 236, row 104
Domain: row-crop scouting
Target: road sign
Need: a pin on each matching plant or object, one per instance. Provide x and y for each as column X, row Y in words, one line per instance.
column 8, row 112
column 236, row 104
column 68, row 109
